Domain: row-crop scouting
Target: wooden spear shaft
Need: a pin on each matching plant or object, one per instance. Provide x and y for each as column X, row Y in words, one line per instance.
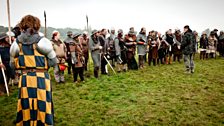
column 45, row 24
column 3, row 73
column 87, row 21
column 9, row 24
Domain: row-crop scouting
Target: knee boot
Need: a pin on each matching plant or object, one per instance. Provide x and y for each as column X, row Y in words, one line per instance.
column 170, row 60
column 166, row 58
column 96, row 71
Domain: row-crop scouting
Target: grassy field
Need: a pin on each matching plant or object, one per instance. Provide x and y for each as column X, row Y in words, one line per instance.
column 161, row 95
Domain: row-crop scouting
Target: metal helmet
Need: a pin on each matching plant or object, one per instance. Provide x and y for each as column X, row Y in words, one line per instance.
column 10, row 34
column 69, row 33
column 85, row 33
column 120, row 31
column 94, row 31
column 3, row 35
column 76, row 35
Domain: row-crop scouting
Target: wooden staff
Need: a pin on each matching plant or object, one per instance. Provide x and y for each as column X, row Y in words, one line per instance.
column 9, row 28
column 87, row 21
column 9, row 25
column 3, row 73
column 109, row 64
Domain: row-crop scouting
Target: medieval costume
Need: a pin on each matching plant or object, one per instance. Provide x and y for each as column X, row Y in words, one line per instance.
column 212, row 41
column 5, row 64
column 177, row 54
column 197, row 39
column 85, row 48
column 33, row 55
column 60, row 50
column 221, row 44
column 120, row 49
column 169, row 39
column 142, row 47
column 215, row 31
column 79, row 62
column 203, row 46
column 95, row 49
column 111, row 47
column 162, row 51
column 67, row 41
column 103, row 43
column 153, row 42
column 130, row 43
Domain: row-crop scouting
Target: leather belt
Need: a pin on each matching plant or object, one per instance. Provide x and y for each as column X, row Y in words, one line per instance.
column 33, row 70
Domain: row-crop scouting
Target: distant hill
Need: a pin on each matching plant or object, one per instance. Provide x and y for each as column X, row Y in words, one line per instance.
column 63, row 31
column 3, row 29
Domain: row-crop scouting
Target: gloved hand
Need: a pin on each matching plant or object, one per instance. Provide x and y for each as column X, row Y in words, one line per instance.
column 2, row 66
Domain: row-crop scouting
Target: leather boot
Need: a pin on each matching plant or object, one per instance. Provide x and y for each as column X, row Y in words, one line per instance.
column 96, row 71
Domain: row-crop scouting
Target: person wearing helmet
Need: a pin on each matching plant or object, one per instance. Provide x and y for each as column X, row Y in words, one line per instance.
column 103, row 43
column 78, row 66
column 111, row 46
column 176, row 46
column 120, row 49
column 153, row 43
column 5, row 57
column 95, row 49
column 141, row 46
column 84, row 40
column 68, row 40
column 16, row 30
column 130, row 43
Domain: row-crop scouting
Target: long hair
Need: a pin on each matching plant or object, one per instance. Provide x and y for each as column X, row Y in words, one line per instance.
column 30, row 22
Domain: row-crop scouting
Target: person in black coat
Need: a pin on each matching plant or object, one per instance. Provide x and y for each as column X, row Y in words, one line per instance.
column 221, row 44
column 169, row 39
column 5, row 64
column 103, row 43
column 188, row 46
column 203, row 45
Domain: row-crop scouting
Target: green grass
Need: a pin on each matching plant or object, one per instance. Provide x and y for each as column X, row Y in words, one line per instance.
column 161, row 95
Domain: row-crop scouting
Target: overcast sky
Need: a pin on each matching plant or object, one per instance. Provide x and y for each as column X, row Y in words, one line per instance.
column 153, row 14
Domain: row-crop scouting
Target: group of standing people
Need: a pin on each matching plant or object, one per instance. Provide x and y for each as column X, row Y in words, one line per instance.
column 152, row 48
column 122, row 49
column 33, row 55
column 71, row 54
column 211, row 44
